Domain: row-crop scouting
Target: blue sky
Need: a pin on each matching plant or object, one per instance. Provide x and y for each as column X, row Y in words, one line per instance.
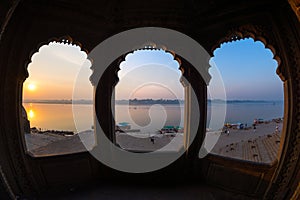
column 149, row 74
column 248, row 71
column 247, row 68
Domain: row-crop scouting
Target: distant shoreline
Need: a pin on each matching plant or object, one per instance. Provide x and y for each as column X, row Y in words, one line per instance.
column 90, row 102
column 149, row 101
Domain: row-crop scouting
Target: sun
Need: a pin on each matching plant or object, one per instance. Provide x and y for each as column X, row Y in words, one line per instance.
column 31, row 87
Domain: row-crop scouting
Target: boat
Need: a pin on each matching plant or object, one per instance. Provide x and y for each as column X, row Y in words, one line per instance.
column 123, row 126
column 171, row 130
column 234, row 125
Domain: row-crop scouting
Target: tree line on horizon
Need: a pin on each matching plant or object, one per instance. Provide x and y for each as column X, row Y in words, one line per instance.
column 136, row 101
column 149, row 101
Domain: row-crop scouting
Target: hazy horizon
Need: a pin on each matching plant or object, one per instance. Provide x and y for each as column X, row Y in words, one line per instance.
column 36, row 100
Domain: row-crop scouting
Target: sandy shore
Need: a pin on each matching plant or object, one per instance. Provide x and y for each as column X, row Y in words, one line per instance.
column 258, row 145
column 233, row 145
column 159, row 142
column 240, row 135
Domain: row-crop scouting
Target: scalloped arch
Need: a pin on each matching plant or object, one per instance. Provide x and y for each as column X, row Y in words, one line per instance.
column 150, row 47
column 257, row 33
column 63, row 40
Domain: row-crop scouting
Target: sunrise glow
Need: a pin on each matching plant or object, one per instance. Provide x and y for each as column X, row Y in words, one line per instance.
column 31, row 87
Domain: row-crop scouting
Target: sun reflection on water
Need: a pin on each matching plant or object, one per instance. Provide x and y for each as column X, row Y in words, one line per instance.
column 31, row 114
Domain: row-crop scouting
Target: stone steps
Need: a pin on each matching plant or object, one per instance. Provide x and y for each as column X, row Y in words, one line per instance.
column 262, row 149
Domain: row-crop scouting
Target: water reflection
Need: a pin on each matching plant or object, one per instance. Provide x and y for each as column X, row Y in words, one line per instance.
column 58, row 116
column 150, row 118
column 31, row 114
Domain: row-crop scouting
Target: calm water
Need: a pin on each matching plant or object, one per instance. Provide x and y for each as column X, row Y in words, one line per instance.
column 58, row 116
column 246, row 112
column 147, row 118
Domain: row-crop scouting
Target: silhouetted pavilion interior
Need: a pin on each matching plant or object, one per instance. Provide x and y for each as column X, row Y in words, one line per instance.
column 27, row 25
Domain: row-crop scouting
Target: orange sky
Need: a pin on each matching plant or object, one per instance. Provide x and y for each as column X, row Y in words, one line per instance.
column 53, row 71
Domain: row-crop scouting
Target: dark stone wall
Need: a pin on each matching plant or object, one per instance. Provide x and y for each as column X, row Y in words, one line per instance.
column 3, row 192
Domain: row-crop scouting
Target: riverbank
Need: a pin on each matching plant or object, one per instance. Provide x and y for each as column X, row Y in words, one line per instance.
column 260, row 144
column 156, row 142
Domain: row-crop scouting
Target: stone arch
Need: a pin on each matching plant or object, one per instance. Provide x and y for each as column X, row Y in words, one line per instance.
column 150, row 47
column 279, row 15
column 66, row 42
column 63, row 40
column 190, row 78
column 289, row 146
column 153, row 47
column 257, row 33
